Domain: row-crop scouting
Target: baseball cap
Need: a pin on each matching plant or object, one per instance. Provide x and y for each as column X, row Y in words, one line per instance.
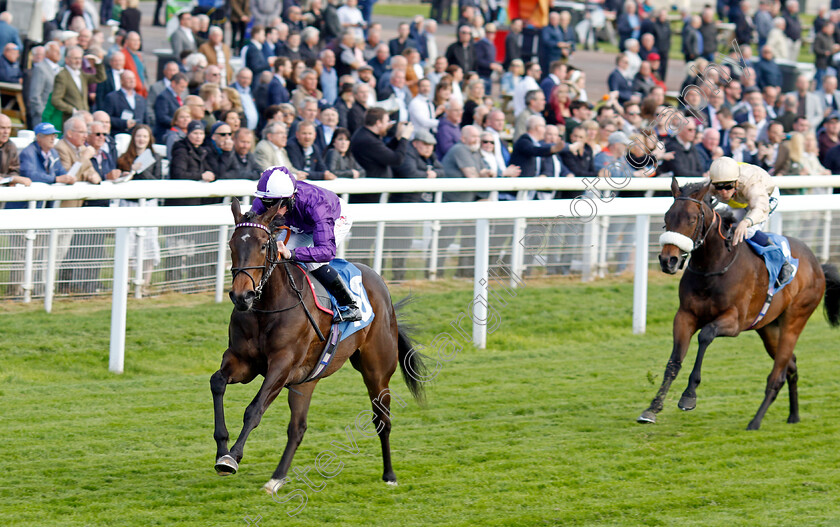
column 653, row 57
column 834, row 115
column 45, row 129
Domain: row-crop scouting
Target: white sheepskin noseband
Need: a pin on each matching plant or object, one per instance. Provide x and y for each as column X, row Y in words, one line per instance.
column 674, row 238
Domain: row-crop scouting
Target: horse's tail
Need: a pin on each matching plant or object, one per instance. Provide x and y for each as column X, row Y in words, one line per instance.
column 411, row 361
column 832, row 294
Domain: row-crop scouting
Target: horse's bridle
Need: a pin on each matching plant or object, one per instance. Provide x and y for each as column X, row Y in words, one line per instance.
column 271, row 262
column 271, row 259
column 699, row 240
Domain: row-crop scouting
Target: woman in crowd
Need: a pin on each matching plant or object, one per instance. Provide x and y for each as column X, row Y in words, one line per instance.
column 558, row 104
column 149, row 245
column 591, row 129
column 475, row 98
column 340, row 160
column 233, row 119
column 178, row 130
column 344, row 103
column 512, row 76
column 443, row 91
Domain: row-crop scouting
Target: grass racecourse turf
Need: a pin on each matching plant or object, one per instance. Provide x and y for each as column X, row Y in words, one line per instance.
column 538, row 429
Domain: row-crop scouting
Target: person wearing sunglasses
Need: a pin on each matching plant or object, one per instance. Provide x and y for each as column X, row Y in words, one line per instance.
column 749, row 193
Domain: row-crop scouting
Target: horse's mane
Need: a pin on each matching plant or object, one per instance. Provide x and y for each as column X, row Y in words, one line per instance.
column 726, row 215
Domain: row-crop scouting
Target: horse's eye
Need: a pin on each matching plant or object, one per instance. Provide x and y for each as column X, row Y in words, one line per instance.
column 264, row 246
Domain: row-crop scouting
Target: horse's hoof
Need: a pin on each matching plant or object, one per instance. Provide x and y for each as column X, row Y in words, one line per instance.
column 226, row 466
column 647, row 417
column 392, row 483
column 687, row 404
column 793, row 419
column 753, row 425
column 274, row 485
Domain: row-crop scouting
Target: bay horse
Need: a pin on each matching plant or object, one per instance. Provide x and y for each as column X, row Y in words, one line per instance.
column 724, row 289
column 272, row 333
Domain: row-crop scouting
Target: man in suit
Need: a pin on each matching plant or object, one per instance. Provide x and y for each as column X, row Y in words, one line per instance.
column 617, row 80
column 397, row 45
column 513, row 42
column 125, row 106
column 42, row 81
column 556, row 75
column 557, row 40
column 277, row 92
column 253, row 53
column 244, row 160
column 534, row 105
column 810, row 104
column 271, row 151
column 829, row 95
column 529, row 151
column 356, row 115
column 305, row 155
column 167, row 102
column 215, row 47
column 170, row 69
column 112, row 82
column 183, row 38
column 71, row 84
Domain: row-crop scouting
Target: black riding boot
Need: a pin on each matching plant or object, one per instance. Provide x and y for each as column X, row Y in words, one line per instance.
column 348, row 311
column 787, row 269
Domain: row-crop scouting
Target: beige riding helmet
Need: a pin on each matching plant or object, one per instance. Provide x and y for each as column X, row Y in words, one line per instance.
column 724, row 170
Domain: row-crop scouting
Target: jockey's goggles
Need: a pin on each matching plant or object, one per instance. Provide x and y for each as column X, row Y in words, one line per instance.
column 725, row 185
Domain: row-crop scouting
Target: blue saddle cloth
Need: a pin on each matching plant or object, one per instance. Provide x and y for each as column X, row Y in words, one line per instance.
column 353, row 278
column 774, row 257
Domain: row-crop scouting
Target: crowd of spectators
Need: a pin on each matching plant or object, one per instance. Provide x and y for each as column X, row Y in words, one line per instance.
column 314, row 85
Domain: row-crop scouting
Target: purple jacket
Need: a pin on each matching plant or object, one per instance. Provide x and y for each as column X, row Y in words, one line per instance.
column 316, row 211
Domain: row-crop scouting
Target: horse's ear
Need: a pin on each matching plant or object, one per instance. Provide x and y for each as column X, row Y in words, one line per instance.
column 705, row 190
column 266, row 217
column 236, row 210
column 675, row 187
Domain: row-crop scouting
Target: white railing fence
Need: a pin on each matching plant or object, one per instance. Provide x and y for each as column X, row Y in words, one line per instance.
column 609, row 230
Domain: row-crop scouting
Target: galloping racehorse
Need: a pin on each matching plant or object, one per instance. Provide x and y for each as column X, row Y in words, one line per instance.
column 272, row 333
column 723, row 291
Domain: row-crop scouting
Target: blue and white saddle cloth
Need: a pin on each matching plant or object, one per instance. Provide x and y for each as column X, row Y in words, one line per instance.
column 774, row 257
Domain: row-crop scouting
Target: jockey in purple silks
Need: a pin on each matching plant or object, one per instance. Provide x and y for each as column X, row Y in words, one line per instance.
column 318, row 225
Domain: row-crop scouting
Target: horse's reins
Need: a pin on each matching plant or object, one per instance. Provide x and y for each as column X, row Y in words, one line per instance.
column 699, row 242
column 271, row 262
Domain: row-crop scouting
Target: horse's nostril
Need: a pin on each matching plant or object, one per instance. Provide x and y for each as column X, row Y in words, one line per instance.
column 250, row 295
column 673, row 261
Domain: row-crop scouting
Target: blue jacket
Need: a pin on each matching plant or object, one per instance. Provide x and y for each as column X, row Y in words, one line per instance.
column 315, row 212
column 525, row 154
column 255, row 60
column 165, row 106
column 115, row 104
column 9, row 72
column 617, row 82
column 32, row 162
column 9, row 34
column 277, row 93
column 485, row 55
column 767, row 73
column 550, row 37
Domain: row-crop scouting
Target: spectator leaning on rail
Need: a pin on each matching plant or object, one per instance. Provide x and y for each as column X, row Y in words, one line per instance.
column 319, row 225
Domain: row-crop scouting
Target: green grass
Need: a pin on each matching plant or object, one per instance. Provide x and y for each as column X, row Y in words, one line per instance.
column 538, row 429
